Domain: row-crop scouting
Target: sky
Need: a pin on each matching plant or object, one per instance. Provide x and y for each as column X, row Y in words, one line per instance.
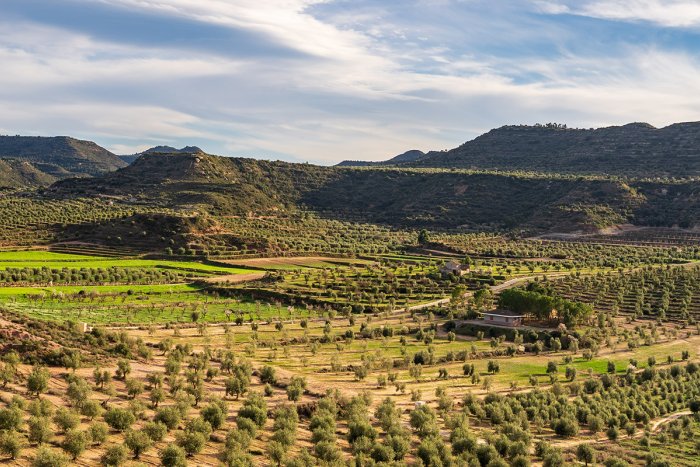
column 321, row 81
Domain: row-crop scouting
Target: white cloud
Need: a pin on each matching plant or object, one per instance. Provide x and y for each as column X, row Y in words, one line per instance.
column 44, row 56
column 669, row 13
column 285, row 20
column 552, row 7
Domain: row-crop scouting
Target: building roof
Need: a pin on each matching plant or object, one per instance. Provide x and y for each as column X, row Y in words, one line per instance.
column 452, row 264
column 504, row 314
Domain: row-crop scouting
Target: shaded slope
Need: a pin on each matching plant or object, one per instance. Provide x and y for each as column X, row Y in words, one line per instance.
column 398, row 197
column 128, row 159
column 22, row 174
column 476, row 201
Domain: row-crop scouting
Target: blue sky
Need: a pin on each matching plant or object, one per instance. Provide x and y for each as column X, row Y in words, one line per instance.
column 326, row 80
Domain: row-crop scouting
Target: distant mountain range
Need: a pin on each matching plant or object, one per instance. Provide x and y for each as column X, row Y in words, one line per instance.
column 636, row 149
column 39, row 161
column 60, row 156
column 632, row 150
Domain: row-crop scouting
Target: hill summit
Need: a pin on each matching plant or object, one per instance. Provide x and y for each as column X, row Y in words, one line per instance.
column 162, row 150
column 172, row 150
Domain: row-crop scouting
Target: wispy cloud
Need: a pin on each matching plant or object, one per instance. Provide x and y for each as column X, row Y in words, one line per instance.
column 669, row 13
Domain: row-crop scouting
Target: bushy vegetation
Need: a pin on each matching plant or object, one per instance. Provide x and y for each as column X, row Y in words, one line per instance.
column 307, row 234
column 537, row 303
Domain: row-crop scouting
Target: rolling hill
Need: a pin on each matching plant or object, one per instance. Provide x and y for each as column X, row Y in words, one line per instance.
column 434, row 198
column 201, row 181
column 60, row 156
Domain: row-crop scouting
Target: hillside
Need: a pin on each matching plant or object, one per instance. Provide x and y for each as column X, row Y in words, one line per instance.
column 475, row 201
column 60, row 156
column 20, row 174
column 201, row 181
column 636, row 149
column 398, row 197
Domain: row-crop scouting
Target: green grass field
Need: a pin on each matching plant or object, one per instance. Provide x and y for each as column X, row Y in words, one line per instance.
column 117, row 303
column 41, row 255
column 36, row 259
column 135, row 304
column 95, row 289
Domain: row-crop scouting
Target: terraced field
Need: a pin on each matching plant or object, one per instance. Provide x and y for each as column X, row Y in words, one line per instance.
column 96, row 290
column 33, row 220
column 295, row 263
column 663, row 293
column 306, row 235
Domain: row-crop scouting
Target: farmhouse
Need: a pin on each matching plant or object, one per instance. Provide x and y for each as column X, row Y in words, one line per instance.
column 503, row 318
column 454, row 267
